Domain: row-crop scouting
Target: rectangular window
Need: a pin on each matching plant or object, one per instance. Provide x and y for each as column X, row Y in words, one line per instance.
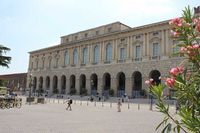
column 86, row 34
column 175, row 47
column 138, row 52
column 37, row 64
column 122, row 53
column 42, row 63
column 49, row 63
column 109, row 29
column 56, row 63
column 76, row 37
column 137, row 37
column 155, row 33
column 66, row 58
column 155, row 50
column 31, row 65
column 97, row 32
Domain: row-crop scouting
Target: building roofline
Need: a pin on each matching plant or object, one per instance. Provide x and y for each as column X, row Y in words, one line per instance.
column 12, row 74
column 117, row 22
column 112, row 33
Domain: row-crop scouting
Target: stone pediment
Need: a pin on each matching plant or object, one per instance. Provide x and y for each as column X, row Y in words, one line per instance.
column 122, row 44
column 137, row 42
column 155, row 39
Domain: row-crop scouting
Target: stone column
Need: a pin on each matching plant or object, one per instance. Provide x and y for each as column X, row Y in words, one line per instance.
column 168, row 45
column 91, row 54
column 61, row 61
column 51, row 86
column 44, row 84
column 148, row 48
column 100, row 85
column 128, row 48
column 131, row 48
column 77, row 85
column 100, row 51
column 116, row 49
column 144, row 48
column 59, row 86
column 79, row 55
column 113, row 84
column 113, row 50
column 163, row 45
column 103, row 52
column 88, row 86
column 71, row 56
column 128, row 87
column 67, row 85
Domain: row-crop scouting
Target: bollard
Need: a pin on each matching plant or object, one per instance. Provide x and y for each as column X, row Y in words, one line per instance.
column 95, row 103
column 102, row 104
column 87, row 103
column 138, row 106
column 128, row 106
column 110, row 105
column 81, row 103
column 58, row 100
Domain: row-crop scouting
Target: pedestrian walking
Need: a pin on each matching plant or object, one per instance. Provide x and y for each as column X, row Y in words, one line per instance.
column 119, row 104
column 69, row 102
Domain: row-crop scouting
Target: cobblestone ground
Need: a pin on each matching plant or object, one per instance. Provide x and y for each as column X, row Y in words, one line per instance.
column 54, row 118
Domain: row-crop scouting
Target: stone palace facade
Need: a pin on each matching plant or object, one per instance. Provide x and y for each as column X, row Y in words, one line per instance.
column 110, row 57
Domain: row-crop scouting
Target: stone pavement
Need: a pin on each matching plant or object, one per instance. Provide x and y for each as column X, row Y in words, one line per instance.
column 54, row 118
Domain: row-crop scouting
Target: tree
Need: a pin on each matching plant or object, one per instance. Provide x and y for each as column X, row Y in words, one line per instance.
column 4, row 60
column 184, row 79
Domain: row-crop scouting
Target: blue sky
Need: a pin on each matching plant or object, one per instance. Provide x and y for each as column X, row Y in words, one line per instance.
column 27, row 25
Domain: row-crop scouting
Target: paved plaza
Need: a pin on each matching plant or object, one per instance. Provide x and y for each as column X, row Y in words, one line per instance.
column 54, row 118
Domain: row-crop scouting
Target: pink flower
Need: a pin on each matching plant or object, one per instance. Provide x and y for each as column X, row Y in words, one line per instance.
column 177, row 70
column 151, row 80
column 170, row 82
column 174, row 33
column 183, row 50
column 176, row 22
column 147, row 82
column 195, row 20
column 174, row 71
column 195, row 46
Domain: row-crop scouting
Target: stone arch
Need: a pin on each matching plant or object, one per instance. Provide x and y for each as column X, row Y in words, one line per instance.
column 63, row 84
column 155, row 75
column 41, row 82
column 72, row 82
column 121, row 84
column 82, row 81
column 106, row 84
column 55, row 84
column 94, row 83
column 34, row 84
column 136, row 84
column 47, row 82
